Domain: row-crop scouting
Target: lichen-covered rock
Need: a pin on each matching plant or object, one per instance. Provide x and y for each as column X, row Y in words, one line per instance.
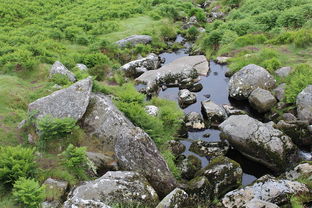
column 304, row 104
column 82, row 67
column 189, row 166
column 213, row 112
column 194, row 121
column 222, row 59
column 176, row 147
column 259, row 141
column 200, row 191
column 230, row 110
column 176, row 199
column 70, row 102
column 59, row 68
column 303, row 170
column 152, row 110
column 134, row 40
column 209, row 149
column 257, row 203
column 174, row 72
column 271, row 190
column 102, row 162
column 261, row 100
column 137, row 67
column 284, row 71
column 55, row 190
column 186, row 98
column 279, row 92
column 134, row 149
column 115, row 187
column 79, row 203
column 223, row 174
column 243, row 82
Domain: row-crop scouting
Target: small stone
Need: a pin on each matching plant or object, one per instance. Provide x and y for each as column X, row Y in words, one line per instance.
column 222, row 60
column 279, row 92
column 134, row 40
column 152, row 110
column 59, row 68
column 284, row 71
column 230, row 110
column 304, row 103
column 199, row 190
column 189, row 166
column 82, row 67
column 30, row 139
column 22, row 124
column 261, row 100
column 194, row 121
column 207, row 135
column 289, row 117
column 176, row 147
column 213, row 112
column 186, row 98
column 176, row 199
column 209, row 149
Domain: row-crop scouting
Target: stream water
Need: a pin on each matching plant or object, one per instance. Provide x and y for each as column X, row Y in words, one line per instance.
column 216, row 86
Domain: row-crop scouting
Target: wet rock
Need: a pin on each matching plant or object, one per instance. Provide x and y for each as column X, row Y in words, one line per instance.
column 213, row 112
column 230, row 110
column 250, row 77
column 186, row 98
column 284, row 71
column 82, row 67
column 176, row 71
column 279, row 92
column 56, row 191
column 199, row 190
column 191, row 86
column 223, row 174
column 102, row 162
column 207, row 135
column 189, row 166
column 259, row 141
column 115, row 187
column 304, row 103
column 138, row 67
column 303, row 170
column 261, row 100
column 271, row 190
column 59, row 68
column 134, row 40
column 289, row 117
column 257, row 203
column 194, row 121
column 176, row 199
column 222, row 60
column 69, row 102
column 22, row 124
column 152, row 110
column 176, row 147
column 134, row 149
column 209, row 149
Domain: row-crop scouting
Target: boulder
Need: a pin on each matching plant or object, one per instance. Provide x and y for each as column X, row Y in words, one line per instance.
column 261, row 100
column 56, row 191
column 138, row 67
column 223, row 174
column 271, row 190
column 119, row 187
column 186, row 98
column 213, row 112
column 134, row 149
column 250, row 77
column 304, row 104
column 222, row 59
column 284, row 71
column 200, row 191
column 189, row 166
column 69, row 102
column 279, row 92
column 152, row 110
column 134, row 40
column 176, row 71
column 303, row 170
column 209, row 149
column 176, row 147
column 194, row 121
column 102, row 162
column 230, row 110
column 176, row 199
column 82, row 67
column 59, row 68
column 259, row 141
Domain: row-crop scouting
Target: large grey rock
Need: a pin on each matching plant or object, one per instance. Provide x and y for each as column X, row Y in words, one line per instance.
column 243, row 82
column 261, row 100
column 176, row 71
column 186, row 98
column 271, row 190
column 194, row 121
column 279, row 92
column 134, row 40
column 55, row 190
column 102, row 163
column 284, row 71
column 134, row 149
column 213, row 112
column 59, row 68
column 223, row 174
column 259, row 141
column 113, row 188
column 200, row 191
column 70, row 102
column 138, row 67
column 176, row 199
column 304, row 104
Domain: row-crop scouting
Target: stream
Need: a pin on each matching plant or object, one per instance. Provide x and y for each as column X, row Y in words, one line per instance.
column 216, row 86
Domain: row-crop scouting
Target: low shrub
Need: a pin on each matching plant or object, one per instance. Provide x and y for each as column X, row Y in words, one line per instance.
column 99, row 71
column 303, row 38
column 271, row 64
column 250, row 39
column 92, row 60
column 192, row 33
column 60, row 79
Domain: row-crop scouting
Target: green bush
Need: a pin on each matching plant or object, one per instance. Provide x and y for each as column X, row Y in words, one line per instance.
column 303, row 38
column 192, row 33
column 92, row 60
column 168, row 31
column 271, row 64
column 76, row 161
column 250, row 39
column 60, row 79
column 99, row 71
column 292, row 18
column 16, row 162
column 28, row 193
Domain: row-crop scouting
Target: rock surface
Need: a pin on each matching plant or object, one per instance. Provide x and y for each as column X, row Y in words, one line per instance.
column 176, row 199
column 301, row 170
column 102, row 162
column 199, row 190
column 209, row 149
column 259, row 141
column 194, row 121
column 152, row 110
column 257, row 203
column 230, row 110
column 304, row 104
column 272, row 191
column 115, row 187
column 58, row 188
column 261, row 100
column 176, row 147
column 279, row 91
column 284, row 71
column 70, row 102
column 176, row 71
column 59, row 68
column 243, row 82
column 222, row 59
column 134, row 149
column 138, row 67
column 134, row 40
column 189, row 166
column 213, row 112
column 82, row 67
column 186, row 98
